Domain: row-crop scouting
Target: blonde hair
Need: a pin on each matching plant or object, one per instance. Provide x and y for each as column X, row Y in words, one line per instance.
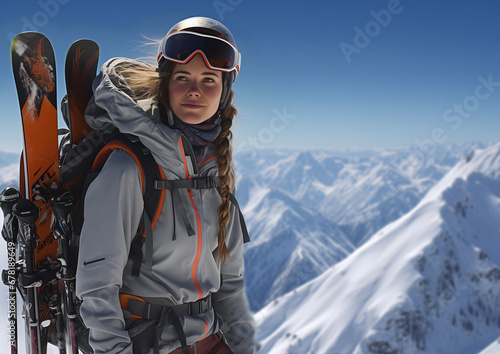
column 145, row 83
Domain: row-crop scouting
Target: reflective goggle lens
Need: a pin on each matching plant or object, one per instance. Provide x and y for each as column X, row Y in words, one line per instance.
column 181, row 47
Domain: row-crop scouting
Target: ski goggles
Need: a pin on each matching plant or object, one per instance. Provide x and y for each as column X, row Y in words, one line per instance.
column 181, row 47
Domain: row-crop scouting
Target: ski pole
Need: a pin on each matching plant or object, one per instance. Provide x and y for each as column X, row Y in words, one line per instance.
column 61, row 206
column 8, row 198
column 26, row 213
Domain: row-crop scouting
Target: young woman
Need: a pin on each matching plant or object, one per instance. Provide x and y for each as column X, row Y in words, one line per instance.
column 189, row 295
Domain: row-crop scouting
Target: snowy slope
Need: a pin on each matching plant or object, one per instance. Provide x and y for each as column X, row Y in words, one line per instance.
column 426, row 283
column 292, row 201
column 291, row 245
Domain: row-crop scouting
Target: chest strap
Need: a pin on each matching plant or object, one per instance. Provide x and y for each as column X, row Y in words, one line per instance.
column 141, row 309
column 207, row 182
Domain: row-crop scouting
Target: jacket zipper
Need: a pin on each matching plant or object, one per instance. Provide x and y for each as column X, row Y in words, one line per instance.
column 198, row 221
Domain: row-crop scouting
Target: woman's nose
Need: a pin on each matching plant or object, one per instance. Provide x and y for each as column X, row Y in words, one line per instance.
column 194, row 90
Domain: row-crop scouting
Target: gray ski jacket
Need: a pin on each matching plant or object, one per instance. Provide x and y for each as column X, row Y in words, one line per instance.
column 183, row 268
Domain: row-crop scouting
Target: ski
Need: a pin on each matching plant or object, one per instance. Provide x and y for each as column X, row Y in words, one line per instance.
column 33, row 66
column 80, row 70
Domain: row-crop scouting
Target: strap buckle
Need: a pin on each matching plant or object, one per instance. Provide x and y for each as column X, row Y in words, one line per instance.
column 207, row 182
column 200, row 307
column 205, row 305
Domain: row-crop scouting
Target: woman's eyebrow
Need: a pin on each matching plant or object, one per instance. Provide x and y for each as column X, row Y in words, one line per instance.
column 204, row 73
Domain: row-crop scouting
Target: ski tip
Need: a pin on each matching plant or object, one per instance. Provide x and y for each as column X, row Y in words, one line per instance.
column 20, row 42
column 28, row 36
column 84, row 43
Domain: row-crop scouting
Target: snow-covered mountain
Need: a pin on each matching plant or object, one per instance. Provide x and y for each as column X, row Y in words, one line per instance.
column 428, row 282
column 359, row 190
column 292, row 244
column 307, row 210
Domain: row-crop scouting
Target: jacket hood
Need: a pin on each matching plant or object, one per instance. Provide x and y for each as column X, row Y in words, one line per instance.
column 112, row 105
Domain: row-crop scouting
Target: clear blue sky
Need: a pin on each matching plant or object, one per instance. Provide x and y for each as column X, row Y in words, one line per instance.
column 315, row 74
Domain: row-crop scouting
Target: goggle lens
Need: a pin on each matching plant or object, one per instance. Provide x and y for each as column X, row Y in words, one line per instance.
column 182, row 46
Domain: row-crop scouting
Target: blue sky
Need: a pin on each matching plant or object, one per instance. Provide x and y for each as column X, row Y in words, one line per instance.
column 315, row 74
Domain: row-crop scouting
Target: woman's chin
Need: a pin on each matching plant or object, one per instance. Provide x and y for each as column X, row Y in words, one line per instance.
column 193, row 118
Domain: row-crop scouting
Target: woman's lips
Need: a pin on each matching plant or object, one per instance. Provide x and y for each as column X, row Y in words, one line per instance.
column 191, row 105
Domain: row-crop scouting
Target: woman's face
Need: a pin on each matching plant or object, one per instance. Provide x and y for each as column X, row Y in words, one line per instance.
column 194, row 91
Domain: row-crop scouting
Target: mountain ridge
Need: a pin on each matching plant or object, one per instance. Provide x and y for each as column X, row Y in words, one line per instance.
column 359, row 190
column 436, row 288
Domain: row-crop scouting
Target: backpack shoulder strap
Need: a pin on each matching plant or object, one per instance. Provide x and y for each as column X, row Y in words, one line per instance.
column 244, row 229
column 153, row 199
column 150, row 171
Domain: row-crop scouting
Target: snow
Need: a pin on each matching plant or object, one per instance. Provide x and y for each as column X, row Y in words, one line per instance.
column 291, row 244
column 358, row 190
column 428, row 282
column 302, row 220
